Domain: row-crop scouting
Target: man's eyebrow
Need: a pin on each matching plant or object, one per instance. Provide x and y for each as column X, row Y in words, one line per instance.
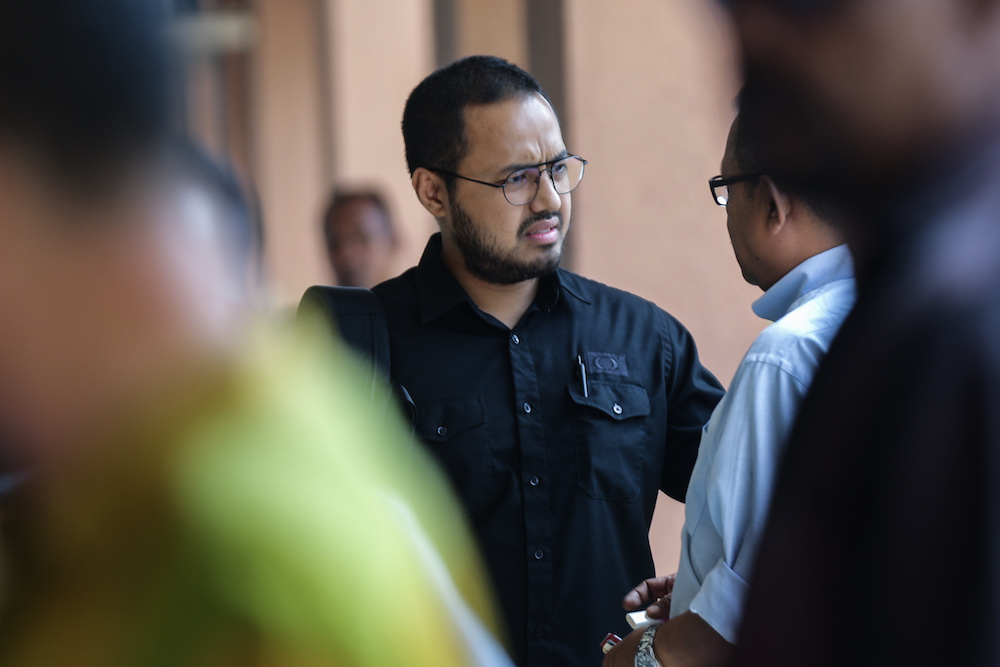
column 524, row 165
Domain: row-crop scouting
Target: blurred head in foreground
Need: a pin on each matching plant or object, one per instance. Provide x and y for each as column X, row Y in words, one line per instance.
column 360, row 237
column 860, row 93
column 199, row 499
column 93, row 271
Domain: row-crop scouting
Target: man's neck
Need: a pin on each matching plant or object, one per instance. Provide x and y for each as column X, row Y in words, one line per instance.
column 821, row 237
column 507, row 303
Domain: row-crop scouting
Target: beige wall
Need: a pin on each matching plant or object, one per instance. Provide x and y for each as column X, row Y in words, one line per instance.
column 288, row 120
column 649, row 89
column 495, row 28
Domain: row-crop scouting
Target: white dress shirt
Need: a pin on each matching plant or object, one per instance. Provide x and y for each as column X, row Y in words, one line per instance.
column 741, row 446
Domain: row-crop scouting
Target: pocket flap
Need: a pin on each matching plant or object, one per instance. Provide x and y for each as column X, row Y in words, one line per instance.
column 439, row 421
column 615, row 399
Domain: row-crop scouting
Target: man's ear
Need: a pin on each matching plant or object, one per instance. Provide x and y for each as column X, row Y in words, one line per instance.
column 779, row 206
column 431, row 191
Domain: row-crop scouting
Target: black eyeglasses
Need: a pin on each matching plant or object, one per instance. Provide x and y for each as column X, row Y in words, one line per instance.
column 521, row 186
column 720, row 186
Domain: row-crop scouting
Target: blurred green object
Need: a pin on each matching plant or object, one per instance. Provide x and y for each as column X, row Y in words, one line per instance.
column 261, row 513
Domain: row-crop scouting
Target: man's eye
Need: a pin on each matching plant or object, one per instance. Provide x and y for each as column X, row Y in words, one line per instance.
column 560, row 168
column 519, row 177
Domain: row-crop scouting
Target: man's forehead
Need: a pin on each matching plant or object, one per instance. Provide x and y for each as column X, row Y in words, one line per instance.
column 514, row 132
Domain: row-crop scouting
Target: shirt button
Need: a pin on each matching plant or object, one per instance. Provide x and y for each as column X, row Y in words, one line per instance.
column 539, row 630
column 442, row 431
column 527, row 408
column 617, row 409
column 539, row 554
column 514, row 339
column 534, row 480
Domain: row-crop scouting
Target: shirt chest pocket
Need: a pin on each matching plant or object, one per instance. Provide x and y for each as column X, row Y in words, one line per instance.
column 610, row 428
column 441, row 421
column 454, row 431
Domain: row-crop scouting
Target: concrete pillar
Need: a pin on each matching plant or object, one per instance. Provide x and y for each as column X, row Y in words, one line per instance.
column 289, row 152
column 492, row 28
column 376, row 52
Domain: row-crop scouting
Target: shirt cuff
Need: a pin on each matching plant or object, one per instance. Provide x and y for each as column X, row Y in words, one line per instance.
column 720, row 600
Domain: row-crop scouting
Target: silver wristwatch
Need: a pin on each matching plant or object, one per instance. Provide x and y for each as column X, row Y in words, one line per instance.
column 644, row 656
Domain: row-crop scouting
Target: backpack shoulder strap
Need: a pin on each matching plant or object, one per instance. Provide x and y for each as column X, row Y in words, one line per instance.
column 358, row 317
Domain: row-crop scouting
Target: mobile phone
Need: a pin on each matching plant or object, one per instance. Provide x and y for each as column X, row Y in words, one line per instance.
column 638, row 619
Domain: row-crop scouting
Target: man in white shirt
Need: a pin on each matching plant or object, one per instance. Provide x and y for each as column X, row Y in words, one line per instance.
column 787, row 244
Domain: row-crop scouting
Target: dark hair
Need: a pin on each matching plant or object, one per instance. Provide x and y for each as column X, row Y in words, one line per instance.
column 434, row 118
column 84, row 85
column 340, row 197
column 752, row 157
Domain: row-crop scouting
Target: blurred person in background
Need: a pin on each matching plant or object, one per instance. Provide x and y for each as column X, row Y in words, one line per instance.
column 791, row 247
column 201, row 493
column 360, row 237
column 557, row 406
column 883, row 544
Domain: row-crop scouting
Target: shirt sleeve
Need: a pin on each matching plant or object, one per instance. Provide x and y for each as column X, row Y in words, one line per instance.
column 742, row 447
column 692, row 394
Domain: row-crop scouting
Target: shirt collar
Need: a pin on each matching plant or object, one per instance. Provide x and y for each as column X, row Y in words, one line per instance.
column 815, row 272
column 439, row 291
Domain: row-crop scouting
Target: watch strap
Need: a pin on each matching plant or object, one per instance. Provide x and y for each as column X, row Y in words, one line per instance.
column 644, row 655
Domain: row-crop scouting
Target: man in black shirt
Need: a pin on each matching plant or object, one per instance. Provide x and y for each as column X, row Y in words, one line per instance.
column 557, row 406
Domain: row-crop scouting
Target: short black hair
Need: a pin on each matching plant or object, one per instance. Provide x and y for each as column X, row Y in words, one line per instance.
column 85, row 84
column 752, row 157
column 342, row 196
column 434, row 118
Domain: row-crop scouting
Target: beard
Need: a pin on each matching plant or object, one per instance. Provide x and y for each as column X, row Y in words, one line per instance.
column 501, row 267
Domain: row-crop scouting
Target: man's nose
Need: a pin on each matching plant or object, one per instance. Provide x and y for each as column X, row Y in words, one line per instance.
column 547, row 198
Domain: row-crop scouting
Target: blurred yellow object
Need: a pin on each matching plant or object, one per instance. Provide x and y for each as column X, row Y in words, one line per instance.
column 260, row 513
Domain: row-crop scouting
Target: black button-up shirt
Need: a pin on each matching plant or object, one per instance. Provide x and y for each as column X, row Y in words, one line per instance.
column 559, row 481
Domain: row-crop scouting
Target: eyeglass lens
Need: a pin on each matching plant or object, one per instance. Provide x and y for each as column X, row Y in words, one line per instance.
column 721, row 195
column 521, row 186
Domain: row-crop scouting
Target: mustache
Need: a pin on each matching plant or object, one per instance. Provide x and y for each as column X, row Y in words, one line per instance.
column 540, row 217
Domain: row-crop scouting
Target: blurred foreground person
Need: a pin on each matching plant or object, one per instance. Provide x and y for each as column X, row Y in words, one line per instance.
column 883, row 546
column 360, row 237
column 219, row 212
column 791, row 247
column 201, row 493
